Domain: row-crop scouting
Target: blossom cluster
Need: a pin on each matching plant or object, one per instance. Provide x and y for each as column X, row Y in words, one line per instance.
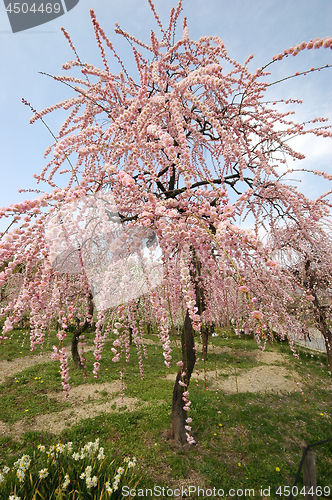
column 317, row 43
column 61, row 355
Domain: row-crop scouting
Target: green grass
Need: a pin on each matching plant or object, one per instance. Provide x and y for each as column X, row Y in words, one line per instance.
column 18, row 345
column 241, row 438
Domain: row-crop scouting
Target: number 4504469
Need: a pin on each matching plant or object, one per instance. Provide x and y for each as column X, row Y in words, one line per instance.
column 17, row 8
column 295, row 491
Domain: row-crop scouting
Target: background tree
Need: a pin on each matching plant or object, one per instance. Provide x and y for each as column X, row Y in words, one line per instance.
column 185, row 148
column 306, row 253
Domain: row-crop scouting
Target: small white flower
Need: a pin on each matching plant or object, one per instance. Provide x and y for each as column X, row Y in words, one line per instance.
column 76, row 456
column 14, row 497
column 90, row 449
column 20, row 474
column 88, row 470
column 90, row 482
column 41, row 447
column 108, row 487
column 131, row 463
column 66, row 482
column 23, row 463
column 69, row 446
column 6, row 469
column 101, row 454
column 2, row 478
column 60, row 448
column 43, row 473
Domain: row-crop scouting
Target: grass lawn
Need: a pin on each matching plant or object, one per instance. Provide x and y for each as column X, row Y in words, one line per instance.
column 245, row 440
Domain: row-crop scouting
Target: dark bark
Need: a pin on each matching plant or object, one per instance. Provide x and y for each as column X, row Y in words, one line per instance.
column 322, row 326
column 179, row 415
column 74, row 345
column 76, row 336
column 205, row 338
column 149, row 328
column 328, row 343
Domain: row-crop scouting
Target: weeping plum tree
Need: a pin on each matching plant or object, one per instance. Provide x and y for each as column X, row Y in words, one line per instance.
column 185, row 148
column 305, row 251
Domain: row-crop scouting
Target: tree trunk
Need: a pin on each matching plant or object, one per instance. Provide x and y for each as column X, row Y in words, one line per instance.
column 205, row 338
column 179, row 415
column 76, row 336
column 149, row 328
column 324, row 330
column 328, row 344
column 74, row 347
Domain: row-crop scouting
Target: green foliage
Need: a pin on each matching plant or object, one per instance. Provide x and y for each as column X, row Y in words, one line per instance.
column 60, row 472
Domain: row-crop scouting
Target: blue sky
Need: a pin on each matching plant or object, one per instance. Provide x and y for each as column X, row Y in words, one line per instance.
column 264, row 27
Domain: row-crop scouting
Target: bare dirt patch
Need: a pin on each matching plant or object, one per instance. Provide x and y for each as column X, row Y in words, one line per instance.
column 262, row 357
column 268, row 376
column 259, row 379
column 57, row 422
column 267, row 357
column 9, row 368
column 87, row 401
column 85, row 392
